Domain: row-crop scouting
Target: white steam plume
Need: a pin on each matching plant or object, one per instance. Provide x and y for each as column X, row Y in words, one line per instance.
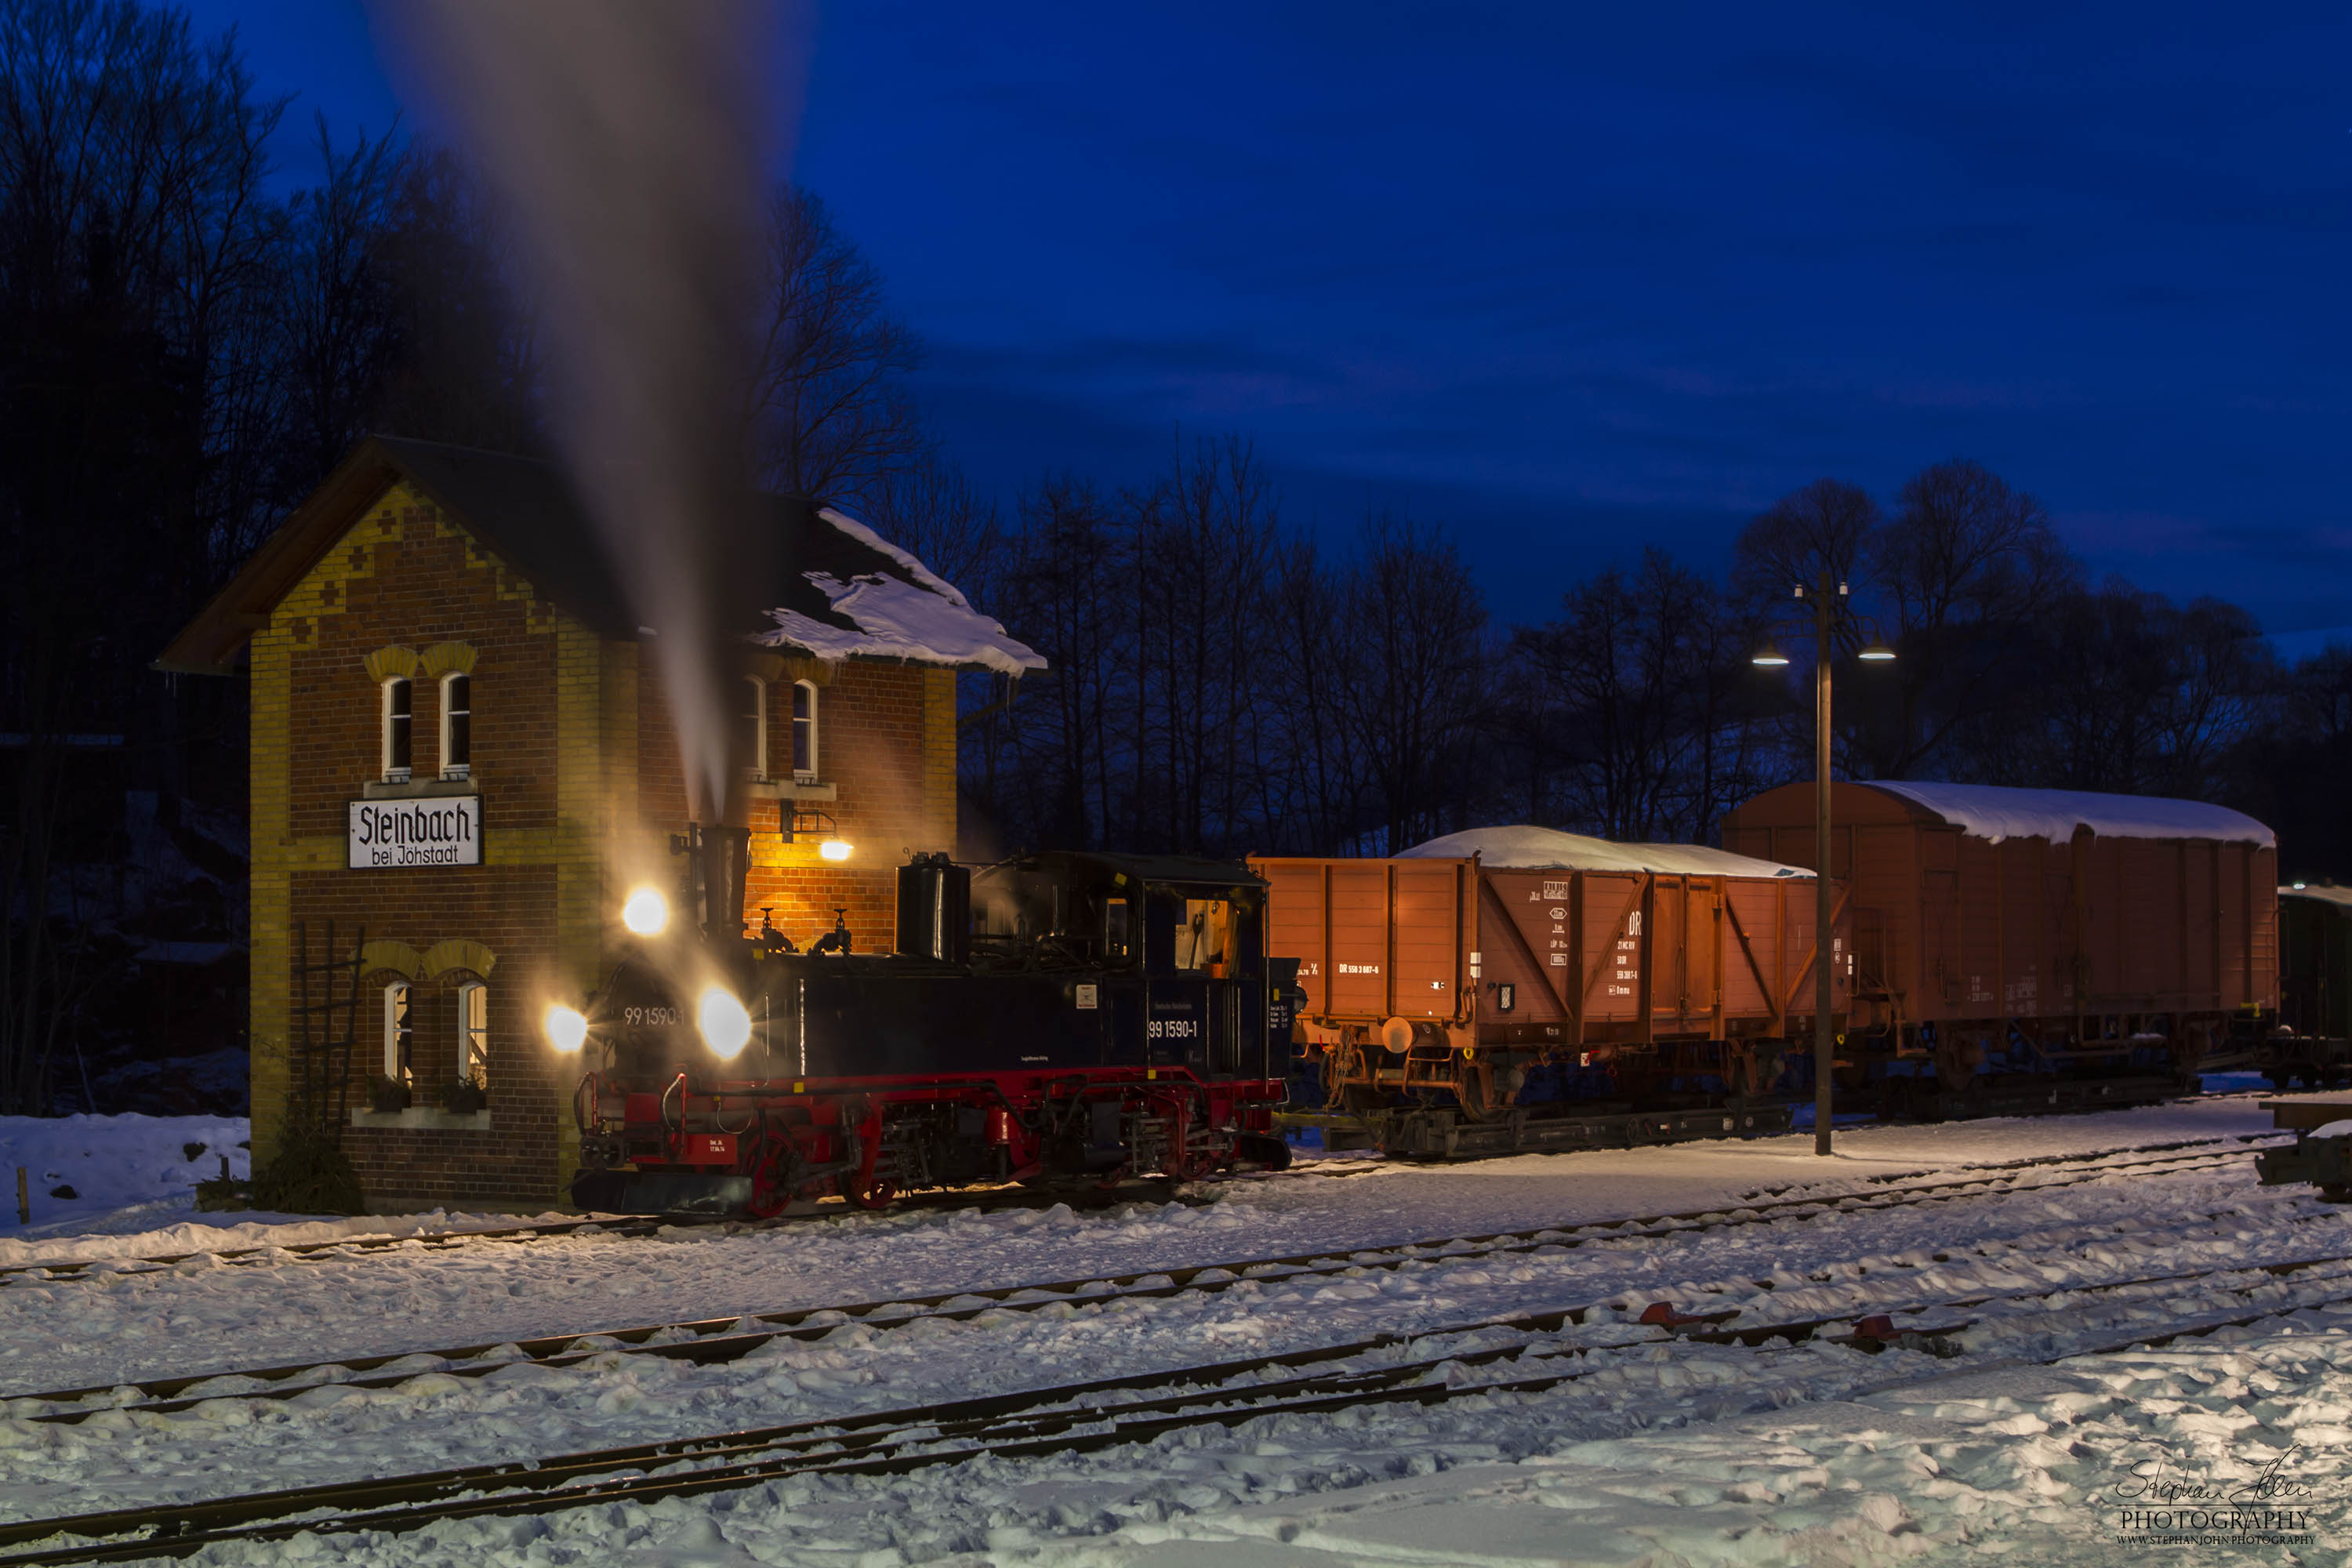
column 632, row 141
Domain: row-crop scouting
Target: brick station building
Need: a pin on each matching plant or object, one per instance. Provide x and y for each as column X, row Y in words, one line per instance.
column 460, row 748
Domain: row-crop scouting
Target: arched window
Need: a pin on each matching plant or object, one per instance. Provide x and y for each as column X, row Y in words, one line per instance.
column 397, row 697
column 399, row 1039
column 474, row 1032
column 456, row 726
column 752, row 719
column 804, row 731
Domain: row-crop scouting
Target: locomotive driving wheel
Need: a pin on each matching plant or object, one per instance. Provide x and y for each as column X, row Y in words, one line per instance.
column 876, row 1194
column 772, row 1182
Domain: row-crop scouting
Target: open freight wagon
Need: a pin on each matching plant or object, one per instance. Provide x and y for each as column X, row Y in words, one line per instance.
column 2037, row 949
column 1517, row 987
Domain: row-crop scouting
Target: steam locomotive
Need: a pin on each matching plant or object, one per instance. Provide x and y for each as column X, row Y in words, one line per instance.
column 1061, row 1018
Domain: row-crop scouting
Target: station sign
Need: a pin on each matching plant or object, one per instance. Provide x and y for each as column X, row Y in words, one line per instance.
column 431, row 830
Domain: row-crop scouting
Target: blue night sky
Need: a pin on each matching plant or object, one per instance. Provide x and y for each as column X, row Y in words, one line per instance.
column 1575, row 280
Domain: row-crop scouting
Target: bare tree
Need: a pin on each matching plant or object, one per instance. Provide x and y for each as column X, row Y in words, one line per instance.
column 1963, row 572
column 828, row 417
column 1417, row 624
column 137, row 251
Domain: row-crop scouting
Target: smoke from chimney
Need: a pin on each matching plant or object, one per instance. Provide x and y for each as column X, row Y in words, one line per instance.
column 633, row 141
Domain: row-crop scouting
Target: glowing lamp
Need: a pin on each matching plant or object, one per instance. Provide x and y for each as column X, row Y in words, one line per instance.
column 567, row 1031
column 726, row 1026
column 646, row 913
column 1877, row 652
column 835, row 849
column 1770, row 656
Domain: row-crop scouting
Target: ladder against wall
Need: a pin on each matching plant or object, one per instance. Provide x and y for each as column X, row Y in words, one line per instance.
column 326, row 1022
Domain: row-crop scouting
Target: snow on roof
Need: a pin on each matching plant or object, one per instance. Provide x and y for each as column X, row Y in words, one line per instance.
column 1992, row 813
column 920, row 617
column 1526, row 848
column 2325, row 893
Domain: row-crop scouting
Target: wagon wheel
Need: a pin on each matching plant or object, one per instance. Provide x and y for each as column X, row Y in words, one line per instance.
column 1473, row 1089
column 2189, row 1048
column 1954, row 1068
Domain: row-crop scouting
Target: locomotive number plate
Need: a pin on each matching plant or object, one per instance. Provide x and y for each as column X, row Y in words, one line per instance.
column 652, row 1017
column 1171, row 1028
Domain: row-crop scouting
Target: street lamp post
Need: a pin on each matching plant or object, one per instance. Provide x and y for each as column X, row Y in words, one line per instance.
column 1829, row 606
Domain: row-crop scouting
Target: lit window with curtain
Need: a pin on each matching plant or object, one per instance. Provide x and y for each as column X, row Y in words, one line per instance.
column 753, row 717
column 804, row 731
column 398, row 697
column 399, row 1039
column 456, row 726
column 474, row 1032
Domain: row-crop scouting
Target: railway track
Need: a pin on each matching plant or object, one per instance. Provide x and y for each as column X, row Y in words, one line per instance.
column 1079, row 1418
column 718, row 1340
column 636, row 1227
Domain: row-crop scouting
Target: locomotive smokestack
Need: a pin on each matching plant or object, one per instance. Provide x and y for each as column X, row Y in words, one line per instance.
column 716, row 857
column 725, row 851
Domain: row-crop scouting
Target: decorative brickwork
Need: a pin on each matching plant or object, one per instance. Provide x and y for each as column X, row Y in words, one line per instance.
column 580, row 786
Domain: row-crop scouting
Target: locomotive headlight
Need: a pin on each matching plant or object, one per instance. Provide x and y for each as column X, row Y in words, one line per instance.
column 726, row 1028
column 567, row 1031
column 646, row 913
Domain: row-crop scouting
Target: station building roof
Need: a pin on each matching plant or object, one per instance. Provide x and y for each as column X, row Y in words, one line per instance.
column 842, row 590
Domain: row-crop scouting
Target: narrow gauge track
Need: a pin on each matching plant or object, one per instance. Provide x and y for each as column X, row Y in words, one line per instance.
column 713, row 1340
column 1068, row 1418
column 637, row 1227
column 993, row 1200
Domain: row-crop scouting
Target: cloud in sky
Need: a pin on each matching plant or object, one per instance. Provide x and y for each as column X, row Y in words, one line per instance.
column 1575, row 279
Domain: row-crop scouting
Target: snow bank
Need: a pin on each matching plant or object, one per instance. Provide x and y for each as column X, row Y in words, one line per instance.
column 1526, row 848
column 1989, row 811
column 80, row 1167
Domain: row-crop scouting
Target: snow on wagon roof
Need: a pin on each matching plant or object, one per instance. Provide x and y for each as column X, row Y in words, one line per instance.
column 1526, row 848
column 1993, row 812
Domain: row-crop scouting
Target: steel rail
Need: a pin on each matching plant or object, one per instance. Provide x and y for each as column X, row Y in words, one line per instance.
column 717, row 1340
column 1034, row 1422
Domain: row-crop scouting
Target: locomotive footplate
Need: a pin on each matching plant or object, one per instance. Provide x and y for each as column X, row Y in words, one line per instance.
column 1447, row 1135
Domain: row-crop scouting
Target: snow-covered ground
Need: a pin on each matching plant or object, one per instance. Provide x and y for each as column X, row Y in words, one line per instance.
column 1667, row 1451
column 86, row 1173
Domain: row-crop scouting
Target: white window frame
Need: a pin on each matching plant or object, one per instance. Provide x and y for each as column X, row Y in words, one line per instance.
column 396, row 774
column 474, row 1038
column 804, row 774
column 756, row 766
column 399, row 1016
column 452, row 769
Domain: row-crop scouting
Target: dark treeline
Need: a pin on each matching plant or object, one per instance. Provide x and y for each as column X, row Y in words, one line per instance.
column 1305, row 698
column 189, row 341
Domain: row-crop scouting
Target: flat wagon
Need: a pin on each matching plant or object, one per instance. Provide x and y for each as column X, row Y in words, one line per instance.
column 2010, row 938
column 1519, row 975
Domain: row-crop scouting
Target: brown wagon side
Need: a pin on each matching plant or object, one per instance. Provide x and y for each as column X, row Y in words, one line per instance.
column 2088, row 948
column 1436, row 976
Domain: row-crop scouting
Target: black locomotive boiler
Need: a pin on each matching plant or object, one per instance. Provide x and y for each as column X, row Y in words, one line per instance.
column 1063, row 1017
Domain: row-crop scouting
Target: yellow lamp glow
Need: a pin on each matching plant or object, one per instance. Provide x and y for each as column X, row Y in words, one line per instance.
column 567, row 1031
column 835, row 849
column 646, row 912
column 726, row 1026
